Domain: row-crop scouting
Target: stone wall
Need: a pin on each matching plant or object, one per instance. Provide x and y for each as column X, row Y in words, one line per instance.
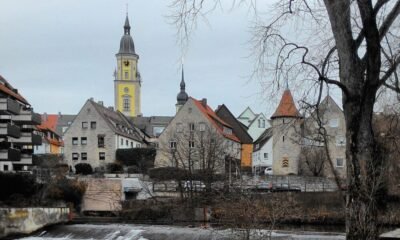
column 15, row 221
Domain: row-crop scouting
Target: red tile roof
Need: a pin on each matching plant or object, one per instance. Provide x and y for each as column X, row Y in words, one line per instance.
column 286, row 107
column 49, row 122
column 215, row 120
column 8, row 89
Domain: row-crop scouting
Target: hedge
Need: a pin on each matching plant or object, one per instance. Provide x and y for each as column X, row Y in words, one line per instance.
column 12, row 184
column 114, row 168
column 143, row 158
column 83, row 168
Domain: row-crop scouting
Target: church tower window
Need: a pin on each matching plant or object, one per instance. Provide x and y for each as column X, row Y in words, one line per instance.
column 127, row 104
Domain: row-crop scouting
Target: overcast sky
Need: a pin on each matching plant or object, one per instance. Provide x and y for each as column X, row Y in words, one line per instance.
column 59, row 53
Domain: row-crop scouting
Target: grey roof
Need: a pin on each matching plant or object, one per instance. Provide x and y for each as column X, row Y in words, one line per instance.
column 118, row 122
column 182, row 96
column 64, row 120
column 126, row 44
column 146, row 124
column 263, row 138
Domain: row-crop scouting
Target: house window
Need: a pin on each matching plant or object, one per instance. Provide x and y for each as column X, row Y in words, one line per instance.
column 202, row 127
column 339, row 162
column 172, row 144
column 93, row 125
column 127, row 104
column 265, row 155
column 191, row 144
column 257, row 146
column 84, row 125
column 102, row 156
column 122, row 141
column 74, row 141
column 84, row 156
column 191, row 127
column 179, row 127
column 75, row 156
column 334, row 123
column 83, row 140
column 126, row 142
column 285, row 162
column 131, row 144
column 138, row 145
column 340, row 141
column 100, row 141
column 261, row 123
column 227, row 130
column 126, row 75
column 5, row 168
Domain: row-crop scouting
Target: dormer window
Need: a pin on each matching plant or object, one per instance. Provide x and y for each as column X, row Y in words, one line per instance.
column 261, row 123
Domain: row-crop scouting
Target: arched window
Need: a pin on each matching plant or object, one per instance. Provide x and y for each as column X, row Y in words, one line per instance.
column 126, row 104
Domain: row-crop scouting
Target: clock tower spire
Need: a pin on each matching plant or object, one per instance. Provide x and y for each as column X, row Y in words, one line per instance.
column 127, row 83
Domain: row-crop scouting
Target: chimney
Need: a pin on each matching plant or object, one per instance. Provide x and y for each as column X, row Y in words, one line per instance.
column 44, row 116
column 204, row 102
column 101, row 103
column 111, row 108
column 91, row 99
column 59, row 114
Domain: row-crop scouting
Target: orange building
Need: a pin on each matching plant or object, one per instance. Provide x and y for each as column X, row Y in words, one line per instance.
column 52, row 143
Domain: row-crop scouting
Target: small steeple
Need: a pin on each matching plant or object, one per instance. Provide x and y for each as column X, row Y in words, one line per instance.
column 286, row 108
column 183, row 85
column 127, row 27
column 182, row 96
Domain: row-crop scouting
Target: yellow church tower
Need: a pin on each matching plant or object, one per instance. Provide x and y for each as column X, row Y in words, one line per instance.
column 127, row 82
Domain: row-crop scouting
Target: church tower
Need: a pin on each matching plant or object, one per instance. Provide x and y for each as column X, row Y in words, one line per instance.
column 127, row 82
column 182, row 96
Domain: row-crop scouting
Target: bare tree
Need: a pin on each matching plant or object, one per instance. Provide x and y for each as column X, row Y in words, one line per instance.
column 312, row 161
column 204, row 154
column 347, row 45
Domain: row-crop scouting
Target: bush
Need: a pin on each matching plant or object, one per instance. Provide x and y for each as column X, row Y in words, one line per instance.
column 114, row 168
column 133, row 169
column 68, row 190
column 17, row 184
column 83, row 168
column 143, row 158
column 49, row 160
column 167, row 173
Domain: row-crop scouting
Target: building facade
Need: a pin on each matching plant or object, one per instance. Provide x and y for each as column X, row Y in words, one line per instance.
column 256, row 123
column 196, row 127
column 127, row 82
column 18, row 134
column 96, row 133
column 52, row 142
column 263, row 154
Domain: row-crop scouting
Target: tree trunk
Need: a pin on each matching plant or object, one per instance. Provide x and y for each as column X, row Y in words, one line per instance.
column 363, row 168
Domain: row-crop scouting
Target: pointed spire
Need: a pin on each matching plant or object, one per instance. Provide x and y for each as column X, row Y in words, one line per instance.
column 286, row 107
column 127, row 27
column 183, row 85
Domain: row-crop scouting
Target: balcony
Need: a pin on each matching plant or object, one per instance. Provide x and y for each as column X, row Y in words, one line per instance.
column 27, row 139
column 11, row 154
column 10, row 130
column 27, row 117
column 9, row 106
column 26, row 159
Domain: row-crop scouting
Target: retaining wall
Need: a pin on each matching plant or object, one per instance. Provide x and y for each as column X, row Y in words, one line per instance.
column 14, row 221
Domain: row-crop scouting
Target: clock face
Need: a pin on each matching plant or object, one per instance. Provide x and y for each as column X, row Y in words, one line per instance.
column 126, row 90
column 126, row 63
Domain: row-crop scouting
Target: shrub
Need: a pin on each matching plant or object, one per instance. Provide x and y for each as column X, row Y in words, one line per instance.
column 68, row 190
column 114, row 168
column 167, row 173
column 17, row 184
column 143, row 158
column 83, row 168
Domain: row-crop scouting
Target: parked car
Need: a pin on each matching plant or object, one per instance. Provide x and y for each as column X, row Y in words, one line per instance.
column 194, row 186
column 268, row 171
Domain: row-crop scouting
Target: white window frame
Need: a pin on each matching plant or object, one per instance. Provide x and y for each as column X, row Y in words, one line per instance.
column 172, row 144
column 336, row 163
column 334, row 123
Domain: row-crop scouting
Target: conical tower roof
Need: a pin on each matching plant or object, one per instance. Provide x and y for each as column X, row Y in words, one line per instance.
column 286, row 107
